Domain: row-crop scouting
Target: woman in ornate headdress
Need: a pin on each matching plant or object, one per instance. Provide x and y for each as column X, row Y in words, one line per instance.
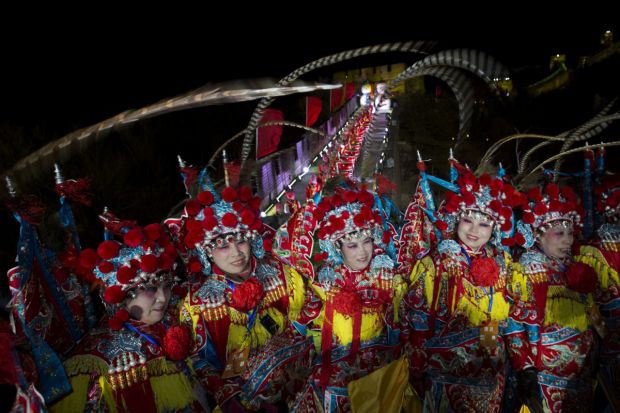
column 457, row 302
column 241, row 304
column 136, row 360
column 603, row 254
column 357, row 331
column 550, row 342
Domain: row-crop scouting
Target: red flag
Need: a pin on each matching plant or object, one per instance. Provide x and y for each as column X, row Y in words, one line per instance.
column 268, row 137
column 350, row 91
column 313, row 109
column 336, row 98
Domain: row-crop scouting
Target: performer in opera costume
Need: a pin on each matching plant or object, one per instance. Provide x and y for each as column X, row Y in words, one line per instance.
column 136, row 360
column 242, row 303
column 603, row 255
column 552, row 347
column 358, row 328
column 457, row 299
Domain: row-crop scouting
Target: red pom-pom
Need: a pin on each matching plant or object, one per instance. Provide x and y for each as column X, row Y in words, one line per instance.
column 350, row 196
column 247, row 217
column 125, row 274
column 165, row 261
column 267, row 245
column 237, row 206
column 468, row 197
column 209, row 222
column 256, row 225
column 520, row 239
column 508, row 190
column 106, row 267
column 176, row 343
column 193, row 237
column 229, row 194
column 192, row 207
column 108, row 249
column 148, row 263
column 347, row 302
column 506, row 226
column 134, row 237
column 153, row 231
column 229, row 220
column 336, row 201
column 245, row 194
column 171, row 251
column 255, row 202
column 534, row 194
column 192, row 225
column 115, row 323
column 247, row 295
column 567, row 192
column 195, row 265
column 552, row 190
column 122, row 315
column 581, row 278
column 359, row 220
column 497, row 184
column 495, row 205
column 366, row 198
column 206, row 198
column 208, row 211
column 506, row 212
column 484, row 272
column 470, row 179
column 441, row 225
column 89, row 258
column 318, row 214
column 540, row 209
column 324, row 206
column 529, row 218
column 119, row 318
column 555, row 205
column 508, row 242
column 114, row 294
column 484, row 179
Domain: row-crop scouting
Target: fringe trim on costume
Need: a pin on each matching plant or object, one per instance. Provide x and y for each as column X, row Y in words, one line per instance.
column 594, row 258
column 76, row 400
column 477, row 311
column 174, row 391
column 85, row 364
column 172, row 388
column 399, row 292
column 424, row 268
column 517, row 285
column 566, row 308
column 108, row 394
column 297, row 292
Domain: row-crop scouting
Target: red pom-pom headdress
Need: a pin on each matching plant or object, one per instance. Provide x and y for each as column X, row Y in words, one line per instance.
column 123, row 269
column 483, row 198
column 552, row 207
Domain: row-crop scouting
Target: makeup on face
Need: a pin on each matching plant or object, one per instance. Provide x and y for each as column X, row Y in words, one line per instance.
column 357, row 252
column 557, row 241
column 474, row 231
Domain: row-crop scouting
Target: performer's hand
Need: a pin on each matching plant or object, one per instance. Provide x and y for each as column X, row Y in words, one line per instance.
column 527, row 386
column 233, row 405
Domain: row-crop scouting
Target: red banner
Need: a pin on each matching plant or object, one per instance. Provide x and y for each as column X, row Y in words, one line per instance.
column 336, row 98
column 268, row 137
column 313, row 109
column 349, row 91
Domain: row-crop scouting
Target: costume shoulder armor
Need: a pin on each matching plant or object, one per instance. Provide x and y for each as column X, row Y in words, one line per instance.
column 210, row 292
column 449, row 246
column 532, row 261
